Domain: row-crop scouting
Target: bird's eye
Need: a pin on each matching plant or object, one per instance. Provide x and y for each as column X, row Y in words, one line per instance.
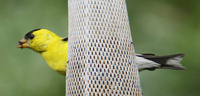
column 31, row 36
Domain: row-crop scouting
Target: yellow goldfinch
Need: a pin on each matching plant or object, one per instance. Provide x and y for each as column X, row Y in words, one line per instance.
column 51, row 47
column 53, row 50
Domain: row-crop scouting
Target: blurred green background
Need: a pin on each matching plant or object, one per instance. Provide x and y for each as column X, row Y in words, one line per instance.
column 162, row 27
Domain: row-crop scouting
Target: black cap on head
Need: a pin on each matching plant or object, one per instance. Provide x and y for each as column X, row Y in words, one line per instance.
column 29, row 35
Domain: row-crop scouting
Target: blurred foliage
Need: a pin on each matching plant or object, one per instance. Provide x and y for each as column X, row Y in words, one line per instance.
column 166, row 27
column 158, row 26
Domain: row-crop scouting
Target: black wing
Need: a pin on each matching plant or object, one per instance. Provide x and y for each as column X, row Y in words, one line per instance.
column 65, row 39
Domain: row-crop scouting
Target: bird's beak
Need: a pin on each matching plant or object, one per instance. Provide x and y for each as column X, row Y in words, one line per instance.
column 23, row 44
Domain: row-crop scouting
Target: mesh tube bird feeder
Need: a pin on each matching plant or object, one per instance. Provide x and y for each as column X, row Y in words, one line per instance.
column 100, row 54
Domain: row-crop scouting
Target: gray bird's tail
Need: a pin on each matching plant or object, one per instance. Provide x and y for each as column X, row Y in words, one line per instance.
column 165, row 62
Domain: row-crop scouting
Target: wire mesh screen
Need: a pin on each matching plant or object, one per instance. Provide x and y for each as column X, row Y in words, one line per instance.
column 100, row 55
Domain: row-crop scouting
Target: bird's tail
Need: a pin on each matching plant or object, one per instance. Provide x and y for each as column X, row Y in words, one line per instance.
column 166, row 62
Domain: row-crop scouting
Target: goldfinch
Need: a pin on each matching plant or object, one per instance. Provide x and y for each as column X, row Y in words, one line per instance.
column 151, row 62
column 51, row 47
column 53, row 50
